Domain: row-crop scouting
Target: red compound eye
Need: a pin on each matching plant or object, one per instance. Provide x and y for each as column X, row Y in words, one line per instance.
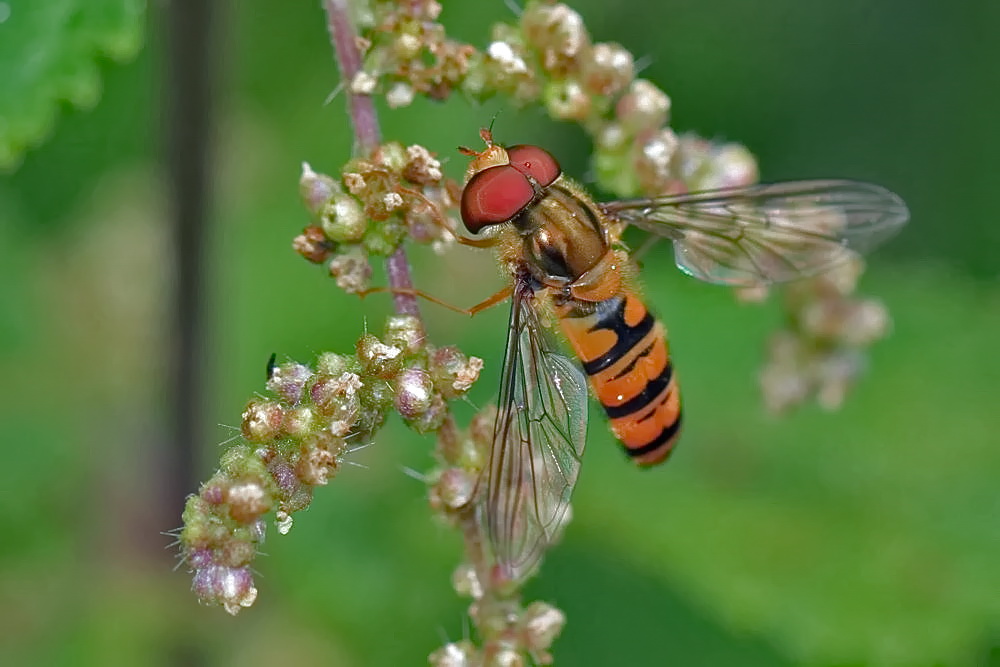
column 535, row 162
column 493, row 196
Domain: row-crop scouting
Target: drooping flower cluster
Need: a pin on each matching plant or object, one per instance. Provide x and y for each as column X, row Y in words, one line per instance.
column 549, row 57
column 820, row 352
column 529, row 631
column 296, row 440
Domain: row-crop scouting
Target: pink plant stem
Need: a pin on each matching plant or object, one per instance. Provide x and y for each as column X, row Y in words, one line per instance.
column 367, row 135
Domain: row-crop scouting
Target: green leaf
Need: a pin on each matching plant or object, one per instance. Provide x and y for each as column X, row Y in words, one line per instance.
column 50, row 53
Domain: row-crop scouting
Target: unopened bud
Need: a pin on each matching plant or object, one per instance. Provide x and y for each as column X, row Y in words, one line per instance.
column 643, row 108
column 262, row 420
column 316, row 189
column 343, row 219
column 608, row 69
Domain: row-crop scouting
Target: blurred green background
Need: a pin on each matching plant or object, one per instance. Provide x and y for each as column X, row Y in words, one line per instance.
column 870, row 536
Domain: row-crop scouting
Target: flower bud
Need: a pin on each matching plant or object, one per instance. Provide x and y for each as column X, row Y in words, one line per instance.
column 313, row 244
column 566, row 99
column 351, row 270
column 247, row 501
column 343, row 219
column 421, row 166
column 331, row 363
column 262, row 420
column 283, row 522
column 654, row 159
column 318, row 458
column 405, row 332
column 414, row 393
column 608, row 69
column 453, row 489
column 338, row 399
column 455, row 654
column 391, row 156
column 466, row 582
column 230, row 587
column 557, row 31
column 316, row 189
column 541, row 623
column 288, row 381
column 299, row 421
column 399, row 95
column 453, row 373
column 643, row 108
column 377, row 358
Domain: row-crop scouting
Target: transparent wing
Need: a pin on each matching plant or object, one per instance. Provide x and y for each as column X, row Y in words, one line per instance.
column 768, row 233
column 538, row 442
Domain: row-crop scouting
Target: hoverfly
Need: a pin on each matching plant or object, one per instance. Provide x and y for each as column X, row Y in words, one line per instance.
column 563, row 252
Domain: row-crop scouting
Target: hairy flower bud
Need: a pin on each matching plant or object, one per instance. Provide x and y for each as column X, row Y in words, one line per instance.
column 405, row 332
column 377, row 358
column 262, row 420
column 289, row 381
column 247, row 501
column 299, row 421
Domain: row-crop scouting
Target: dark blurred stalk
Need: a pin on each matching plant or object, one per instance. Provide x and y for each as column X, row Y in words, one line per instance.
column 190, row 65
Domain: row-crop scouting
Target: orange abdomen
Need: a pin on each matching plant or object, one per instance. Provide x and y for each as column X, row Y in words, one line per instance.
column 624, row 353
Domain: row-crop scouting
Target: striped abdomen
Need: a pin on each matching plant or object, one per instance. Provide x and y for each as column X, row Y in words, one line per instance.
column 624, row 352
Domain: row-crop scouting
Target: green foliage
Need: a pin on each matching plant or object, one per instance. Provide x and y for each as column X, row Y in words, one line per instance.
column 49, row 54
column 864, row 537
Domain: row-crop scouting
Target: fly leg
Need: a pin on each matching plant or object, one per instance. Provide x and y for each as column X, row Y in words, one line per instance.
column 478, row 308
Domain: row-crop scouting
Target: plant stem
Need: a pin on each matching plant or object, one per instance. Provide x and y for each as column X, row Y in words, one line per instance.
column 367, row 135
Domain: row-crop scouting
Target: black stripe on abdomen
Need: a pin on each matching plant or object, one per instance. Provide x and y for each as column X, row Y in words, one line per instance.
column 649, row 393
column 662, row 439
column 613, row 319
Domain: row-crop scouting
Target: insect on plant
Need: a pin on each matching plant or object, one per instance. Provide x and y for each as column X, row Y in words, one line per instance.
column 567, row 262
